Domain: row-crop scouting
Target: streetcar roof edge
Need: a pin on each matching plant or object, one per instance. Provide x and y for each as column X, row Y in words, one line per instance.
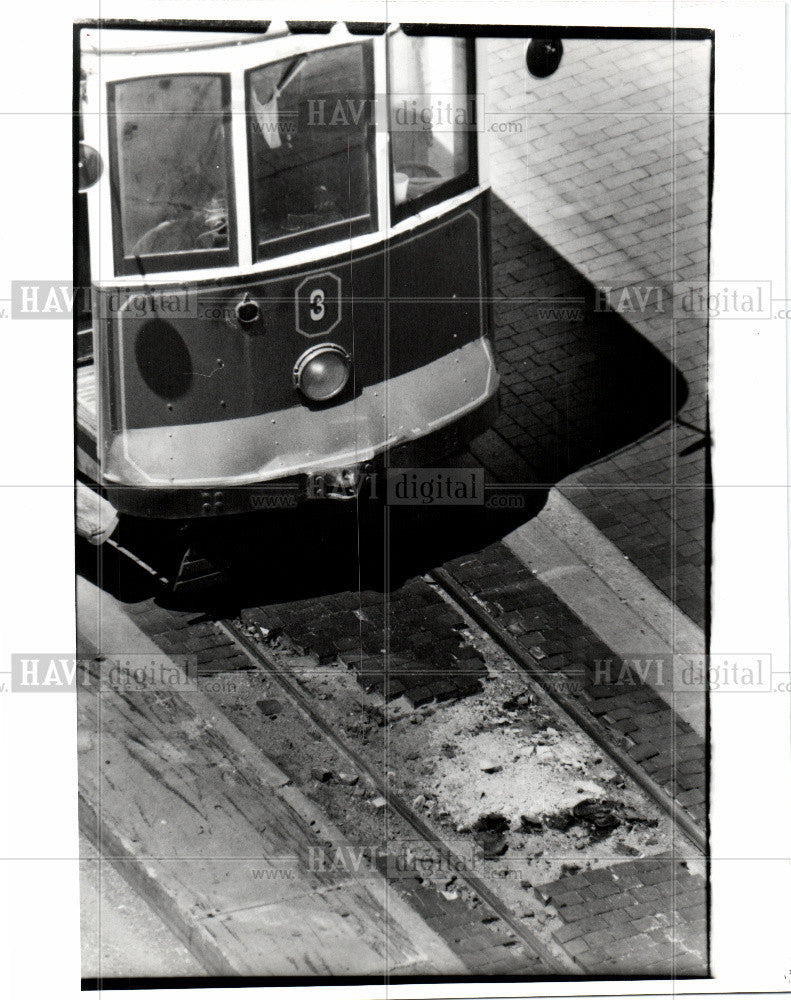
column 133, row 41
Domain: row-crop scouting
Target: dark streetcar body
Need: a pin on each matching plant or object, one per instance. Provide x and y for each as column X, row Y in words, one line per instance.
column 285, row 311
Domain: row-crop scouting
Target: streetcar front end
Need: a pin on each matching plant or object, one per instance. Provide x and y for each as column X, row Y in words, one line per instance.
column 289, row 260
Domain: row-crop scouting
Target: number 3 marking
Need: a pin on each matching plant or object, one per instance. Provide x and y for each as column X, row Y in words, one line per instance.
column 317, row 305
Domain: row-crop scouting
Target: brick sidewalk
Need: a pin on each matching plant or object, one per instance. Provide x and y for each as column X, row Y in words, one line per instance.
column 606, row 186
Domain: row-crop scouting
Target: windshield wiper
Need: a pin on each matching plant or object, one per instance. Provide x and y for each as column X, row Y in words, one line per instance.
column 290, row 74
column 267, row 113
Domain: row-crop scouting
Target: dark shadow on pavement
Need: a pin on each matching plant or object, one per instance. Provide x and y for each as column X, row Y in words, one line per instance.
column 578, row 381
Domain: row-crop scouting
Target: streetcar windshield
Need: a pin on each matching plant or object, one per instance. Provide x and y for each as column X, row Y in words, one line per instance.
column 432, row 120
column 172, row 187
column 310, row 131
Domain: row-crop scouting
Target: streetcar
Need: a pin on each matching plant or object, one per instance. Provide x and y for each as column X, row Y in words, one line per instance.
column 286, row 240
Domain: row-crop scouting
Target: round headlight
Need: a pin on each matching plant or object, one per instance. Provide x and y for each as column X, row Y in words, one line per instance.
column 322, row 372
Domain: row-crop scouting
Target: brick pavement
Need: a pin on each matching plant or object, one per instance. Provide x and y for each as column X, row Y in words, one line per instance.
column 641, row 917
column 486, row 945
column 428, row 655
column 606, row 187
column 427, row 658
column 638, row 720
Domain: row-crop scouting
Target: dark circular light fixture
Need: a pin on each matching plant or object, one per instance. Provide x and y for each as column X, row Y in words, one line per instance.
column 322, row 372
column 543, row 56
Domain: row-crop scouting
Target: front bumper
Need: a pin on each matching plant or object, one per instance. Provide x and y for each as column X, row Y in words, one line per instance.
column 411, row 421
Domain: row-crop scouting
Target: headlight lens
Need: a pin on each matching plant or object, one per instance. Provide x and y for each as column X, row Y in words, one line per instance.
column 322, row 372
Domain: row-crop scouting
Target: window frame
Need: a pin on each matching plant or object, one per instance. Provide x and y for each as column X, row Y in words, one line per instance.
column 456, row 185
column 328, row 233
column 177, row 260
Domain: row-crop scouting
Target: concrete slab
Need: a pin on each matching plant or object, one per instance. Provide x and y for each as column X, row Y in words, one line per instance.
column 188, row 808
column 614, row 599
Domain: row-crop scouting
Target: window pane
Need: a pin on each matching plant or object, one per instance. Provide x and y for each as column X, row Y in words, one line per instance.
column 431, row 114
column 172, row 167
column 310, row 166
